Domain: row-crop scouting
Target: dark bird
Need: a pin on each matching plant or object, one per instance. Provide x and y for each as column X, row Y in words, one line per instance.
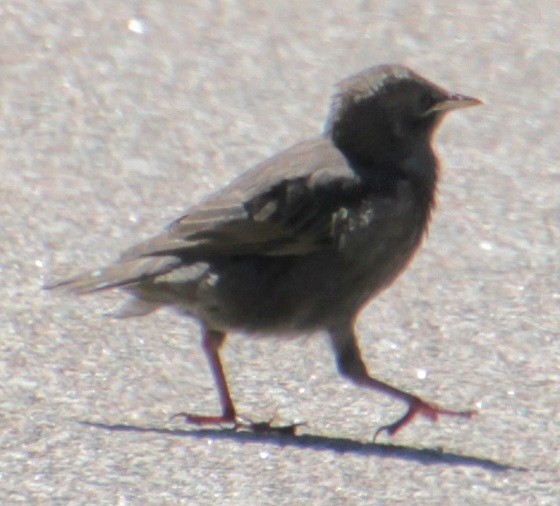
column 306, row 238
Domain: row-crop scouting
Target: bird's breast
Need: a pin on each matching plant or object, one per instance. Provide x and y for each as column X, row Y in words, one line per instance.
column 379, row 238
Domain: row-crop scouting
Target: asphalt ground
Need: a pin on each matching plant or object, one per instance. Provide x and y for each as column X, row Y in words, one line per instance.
column 117, row 116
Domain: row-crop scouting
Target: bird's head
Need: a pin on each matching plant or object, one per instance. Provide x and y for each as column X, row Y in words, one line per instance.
column 387, row 113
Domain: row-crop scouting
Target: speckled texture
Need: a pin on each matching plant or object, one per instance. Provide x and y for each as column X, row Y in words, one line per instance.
column 116, row 116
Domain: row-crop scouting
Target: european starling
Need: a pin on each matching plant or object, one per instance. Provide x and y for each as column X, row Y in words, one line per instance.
column 306, row 238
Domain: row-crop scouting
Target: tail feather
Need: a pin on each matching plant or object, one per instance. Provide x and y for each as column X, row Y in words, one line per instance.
column 119, row 274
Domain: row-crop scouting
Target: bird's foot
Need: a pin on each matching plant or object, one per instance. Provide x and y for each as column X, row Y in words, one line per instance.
column 240, row 423
column 226, row 418
column 267, row 427
column 419, row 407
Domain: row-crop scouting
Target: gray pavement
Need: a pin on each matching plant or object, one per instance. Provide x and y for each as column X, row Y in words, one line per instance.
column 117, row 116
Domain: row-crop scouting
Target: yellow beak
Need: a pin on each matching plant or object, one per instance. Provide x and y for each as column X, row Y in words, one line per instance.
column 453, row 101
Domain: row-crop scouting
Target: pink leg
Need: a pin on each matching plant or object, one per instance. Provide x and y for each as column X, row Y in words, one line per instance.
column 212, row 340
column 351, row 365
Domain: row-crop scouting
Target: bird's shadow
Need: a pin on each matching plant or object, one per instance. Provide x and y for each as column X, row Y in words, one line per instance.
column 426, row 456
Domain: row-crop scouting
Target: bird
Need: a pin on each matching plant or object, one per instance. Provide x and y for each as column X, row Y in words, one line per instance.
column 304, row 240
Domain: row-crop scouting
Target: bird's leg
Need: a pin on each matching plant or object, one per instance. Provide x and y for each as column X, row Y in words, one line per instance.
column 212, row 340
column 351, row 365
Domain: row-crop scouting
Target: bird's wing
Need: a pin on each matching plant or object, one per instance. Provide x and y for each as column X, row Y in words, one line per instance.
column 284, row 206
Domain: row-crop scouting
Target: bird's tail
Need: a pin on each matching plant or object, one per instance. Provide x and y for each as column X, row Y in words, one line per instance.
column 120, row 274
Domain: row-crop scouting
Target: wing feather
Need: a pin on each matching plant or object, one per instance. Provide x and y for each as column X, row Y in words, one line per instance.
column 284, row 206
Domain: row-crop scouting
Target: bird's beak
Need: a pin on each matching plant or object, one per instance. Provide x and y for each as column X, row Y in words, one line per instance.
column 453, row 101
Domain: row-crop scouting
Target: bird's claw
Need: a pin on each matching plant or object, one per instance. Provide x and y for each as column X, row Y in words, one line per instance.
column 267, row 427
column 419, row 407
column 241, row 423
column 205, row 419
